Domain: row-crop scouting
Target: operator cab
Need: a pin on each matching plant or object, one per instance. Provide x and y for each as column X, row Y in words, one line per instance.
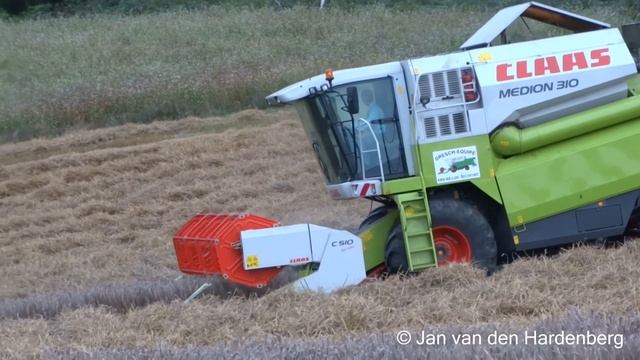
column 355, row 126
column 355, row 131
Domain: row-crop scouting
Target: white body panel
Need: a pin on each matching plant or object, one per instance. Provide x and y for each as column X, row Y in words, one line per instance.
column 355, row 189
column 507, row 16
column 339, row 253
column 300, row 89
column 526, row 83
column 531, row 82
column 341, row 261
column 596, row 85
column 440, row 62
column 262, row 242
column 519, row 82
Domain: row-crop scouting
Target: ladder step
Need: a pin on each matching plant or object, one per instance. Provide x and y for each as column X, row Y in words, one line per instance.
column 423, row 260
column 411, row 197
column 417, row 233
column 416, row 215
column 421, row 249
column 423, row 266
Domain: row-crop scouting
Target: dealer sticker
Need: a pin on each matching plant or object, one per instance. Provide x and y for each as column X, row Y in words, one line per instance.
column 457, row 164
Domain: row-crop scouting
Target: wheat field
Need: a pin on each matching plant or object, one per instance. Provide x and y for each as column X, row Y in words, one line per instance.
column 88, row 268
column 96, row 70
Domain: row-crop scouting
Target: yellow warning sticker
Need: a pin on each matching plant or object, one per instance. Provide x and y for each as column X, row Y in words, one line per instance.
column 485, row 57
column 252, row 261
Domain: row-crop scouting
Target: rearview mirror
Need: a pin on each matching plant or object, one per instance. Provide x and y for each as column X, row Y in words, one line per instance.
column 353, row 105
column 424, row 100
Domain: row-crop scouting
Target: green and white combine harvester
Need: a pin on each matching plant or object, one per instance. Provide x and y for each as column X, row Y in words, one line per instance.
column 497, row 148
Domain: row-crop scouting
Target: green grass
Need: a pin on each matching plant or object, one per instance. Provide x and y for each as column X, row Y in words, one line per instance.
column 40, row 8
column 102, row 70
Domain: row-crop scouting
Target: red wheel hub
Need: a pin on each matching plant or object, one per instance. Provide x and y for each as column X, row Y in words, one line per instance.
column 452, row 246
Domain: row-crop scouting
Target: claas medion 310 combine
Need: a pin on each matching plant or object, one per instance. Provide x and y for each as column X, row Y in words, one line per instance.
column 497, row 148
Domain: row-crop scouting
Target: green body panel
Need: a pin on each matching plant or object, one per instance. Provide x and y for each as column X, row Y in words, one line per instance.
column 398, row 186
column 511, row 140
column 485, row 159
column 416, row 228
column 489, row 187
column 634, row 85
column 572, row 173
column 550, row 169
column 374, row 237
column 558, row 166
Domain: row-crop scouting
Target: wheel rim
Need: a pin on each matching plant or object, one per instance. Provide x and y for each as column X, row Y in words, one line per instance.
column 452, row 246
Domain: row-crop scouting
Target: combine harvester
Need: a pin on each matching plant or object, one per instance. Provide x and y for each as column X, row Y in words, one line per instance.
column 497, row 148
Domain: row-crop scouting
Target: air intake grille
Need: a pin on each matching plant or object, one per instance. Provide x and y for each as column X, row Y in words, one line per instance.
column 425, row 86
column 440, row 84
column 452, row 81
column 460, row 123
column 446, row 124
column 430, row 129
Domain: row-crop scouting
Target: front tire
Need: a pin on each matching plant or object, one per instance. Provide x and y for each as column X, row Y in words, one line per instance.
column 461, row 235
column 395, row 255
column 375, row 215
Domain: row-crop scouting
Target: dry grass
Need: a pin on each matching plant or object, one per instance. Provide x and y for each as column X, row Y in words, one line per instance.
column 127, row 135
column 382, row 344
column 93, row 208
column 124, row 297
column 117, row 297
column 86, row 216
column 601, row 284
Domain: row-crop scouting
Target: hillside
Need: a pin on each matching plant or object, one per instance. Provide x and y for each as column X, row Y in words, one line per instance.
column 97, row 70
column 90, row 215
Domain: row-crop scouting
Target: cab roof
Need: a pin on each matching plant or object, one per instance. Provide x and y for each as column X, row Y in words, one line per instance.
column 305, row 88
column 532, row 10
